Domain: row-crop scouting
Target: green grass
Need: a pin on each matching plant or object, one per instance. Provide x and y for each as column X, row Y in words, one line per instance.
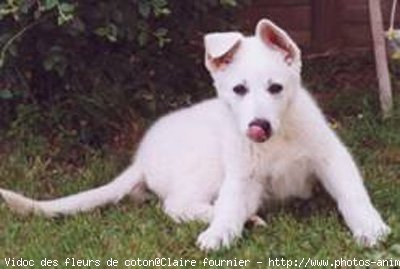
column 129, row 231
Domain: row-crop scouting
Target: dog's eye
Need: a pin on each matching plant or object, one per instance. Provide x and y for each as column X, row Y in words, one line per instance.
column 240, row 89
column 275, row 88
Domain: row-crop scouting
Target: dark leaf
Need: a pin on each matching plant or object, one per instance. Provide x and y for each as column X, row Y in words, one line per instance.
column 144, row 9
column 6, row 94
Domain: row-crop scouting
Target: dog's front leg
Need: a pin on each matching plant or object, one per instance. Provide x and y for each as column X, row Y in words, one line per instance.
column 238, row 200
column 341, row 177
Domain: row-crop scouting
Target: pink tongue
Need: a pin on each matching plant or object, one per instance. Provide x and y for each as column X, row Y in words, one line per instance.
column 256, row 133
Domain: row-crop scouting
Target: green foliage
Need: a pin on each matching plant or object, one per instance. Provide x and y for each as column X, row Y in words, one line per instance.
column 104, row 62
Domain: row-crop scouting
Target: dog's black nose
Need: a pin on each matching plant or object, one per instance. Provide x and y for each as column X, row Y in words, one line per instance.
column 263, row 124
column 259, row 130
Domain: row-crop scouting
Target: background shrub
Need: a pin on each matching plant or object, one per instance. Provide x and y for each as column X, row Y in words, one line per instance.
column 90, row 69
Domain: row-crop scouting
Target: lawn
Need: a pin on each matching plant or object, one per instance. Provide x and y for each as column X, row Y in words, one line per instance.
column 296, row 231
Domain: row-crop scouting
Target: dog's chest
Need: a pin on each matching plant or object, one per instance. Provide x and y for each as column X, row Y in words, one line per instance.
column 284, row 169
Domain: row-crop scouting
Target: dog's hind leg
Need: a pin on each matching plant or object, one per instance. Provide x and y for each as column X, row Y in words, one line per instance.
column 140, row 194
column 184, row 210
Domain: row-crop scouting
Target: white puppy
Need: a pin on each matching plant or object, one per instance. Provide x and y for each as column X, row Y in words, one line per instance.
column 217, row 161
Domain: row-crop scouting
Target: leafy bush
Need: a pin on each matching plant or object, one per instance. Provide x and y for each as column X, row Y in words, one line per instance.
column 88, row 68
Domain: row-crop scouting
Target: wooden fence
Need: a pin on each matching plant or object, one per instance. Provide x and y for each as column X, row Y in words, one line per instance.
column 320, row 25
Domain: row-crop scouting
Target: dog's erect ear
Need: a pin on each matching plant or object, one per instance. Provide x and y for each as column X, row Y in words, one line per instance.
column 278, row 39
column 220, row 49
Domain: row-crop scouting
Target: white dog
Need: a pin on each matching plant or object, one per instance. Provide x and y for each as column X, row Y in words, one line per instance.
column 218, row 161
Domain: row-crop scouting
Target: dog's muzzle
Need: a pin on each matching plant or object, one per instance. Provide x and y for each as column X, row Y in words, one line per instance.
column 259, row 130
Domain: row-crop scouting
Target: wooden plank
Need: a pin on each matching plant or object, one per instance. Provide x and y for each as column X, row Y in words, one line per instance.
column 355, row 14
column 324, row 25
column 280, row 3
column 302, row 38
column 352, row 3
column 293, row 18
column 359, row 14
column 385, row 90
column 356, row 35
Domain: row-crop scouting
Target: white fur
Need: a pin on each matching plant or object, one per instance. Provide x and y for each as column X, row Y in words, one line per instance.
column 201, row 164
column 220, row 43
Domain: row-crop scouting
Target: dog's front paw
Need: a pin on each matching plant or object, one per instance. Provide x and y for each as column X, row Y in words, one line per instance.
column 365, row 223
column 371, row 232
column 215, row 238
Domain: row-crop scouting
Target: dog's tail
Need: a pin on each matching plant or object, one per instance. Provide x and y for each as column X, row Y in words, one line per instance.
column 80, row 202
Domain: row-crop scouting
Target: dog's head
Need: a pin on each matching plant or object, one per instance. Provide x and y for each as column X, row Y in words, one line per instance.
column 257, row 76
